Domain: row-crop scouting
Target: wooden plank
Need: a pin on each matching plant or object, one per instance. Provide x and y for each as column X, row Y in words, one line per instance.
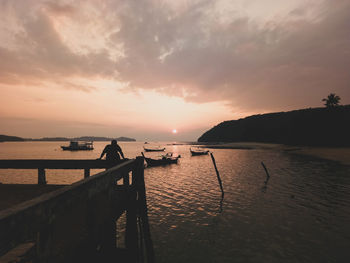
column 21, row 222
column 14, row 194
column 57, row 164
column 21, row 253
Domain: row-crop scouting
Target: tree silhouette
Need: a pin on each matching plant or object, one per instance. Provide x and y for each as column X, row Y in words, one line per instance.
column 332, row 100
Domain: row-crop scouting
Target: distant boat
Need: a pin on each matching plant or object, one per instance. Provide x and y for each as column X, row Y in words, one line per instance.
column 78, row 146
column 198, row 152
column 165, row 160
column 154, row 149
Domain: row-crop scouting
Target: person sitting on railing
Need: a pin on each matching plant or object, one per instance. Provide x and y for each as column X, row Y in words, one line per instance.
column 112, row 152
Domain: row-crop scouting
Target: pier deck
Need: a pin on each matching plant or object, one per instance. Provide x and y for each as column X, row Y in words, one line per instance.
column 77, row 223
column 13, row 194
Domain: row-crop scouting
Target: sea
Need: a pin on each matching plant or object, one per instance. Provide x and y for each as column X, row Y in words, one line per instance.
column 301, row 214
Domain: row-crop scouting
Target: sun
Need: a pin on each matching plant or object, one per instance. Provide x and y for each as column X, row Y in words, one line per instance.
column 174, row 131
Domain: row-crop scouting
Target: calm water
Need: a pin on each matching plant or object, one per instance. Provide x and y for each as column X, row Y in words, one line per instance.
column 302, row 215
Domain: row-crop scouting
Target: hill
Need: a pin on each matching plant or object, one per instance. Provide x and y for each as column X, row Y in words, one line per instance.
column 85, row 138
column 6, row 138
column 93, row 138
column 309, row 127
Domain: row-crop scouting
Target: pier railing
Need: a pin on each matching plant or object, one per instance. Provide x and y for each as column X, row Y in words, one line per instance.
column 41, row 165
column 78, row 222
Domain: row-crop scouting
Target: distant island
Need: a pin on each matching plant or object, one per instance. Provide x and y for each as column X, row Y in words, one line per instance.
column 307, row 127
column 6, row 138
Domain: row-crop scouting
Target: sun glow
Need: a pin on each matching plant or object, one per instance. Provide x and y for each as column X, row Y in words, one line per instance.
column 174, row 131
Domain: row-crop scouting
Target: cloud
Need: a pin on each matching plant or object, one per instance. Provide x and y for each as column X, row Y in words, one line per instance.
column 201, row 51
column 39, row 53
column 284, row 62
column 35, row 128
column 60, row 9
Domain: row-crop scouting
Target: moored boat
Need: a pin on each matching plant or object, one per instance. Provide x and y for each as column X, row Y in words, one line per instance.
column 198, row 152
column 157, row 149
column 165, row 160
column 78, row 146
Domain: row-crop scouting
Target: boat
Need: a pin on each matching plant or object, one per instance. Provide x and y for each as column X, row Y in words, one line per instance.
column 78, row 146
column 172, row 155
column 198, row 152
column 154, row 149
column 165, row 160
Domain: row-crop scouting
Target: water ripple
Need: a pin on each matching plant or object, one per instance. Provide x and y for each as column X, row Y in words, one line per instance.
column 301, row 214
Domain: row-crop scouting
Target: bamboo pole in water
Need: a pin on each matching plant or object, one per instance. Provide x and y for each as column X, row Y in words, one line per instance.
column 267, row 173
column 217, row 173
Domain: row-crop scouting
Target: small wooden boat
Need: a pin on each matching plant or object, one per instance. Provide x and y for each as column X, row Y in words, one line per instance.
column 170, row 154
column 160, row 162
column 78, row 146
column 154, row 149
column 198, row 152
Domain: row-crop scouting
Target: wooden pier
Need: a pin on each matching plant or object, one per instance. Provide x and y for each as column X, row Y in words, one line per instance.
column 77, row 222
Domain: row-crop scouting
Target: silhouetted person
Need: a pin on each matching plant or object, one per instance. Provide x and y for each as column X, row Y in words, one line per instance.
column 112, row 152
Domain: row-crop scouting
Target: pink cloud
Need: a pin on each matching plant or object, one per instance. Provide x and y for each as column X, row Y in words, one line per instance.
column 188, row 52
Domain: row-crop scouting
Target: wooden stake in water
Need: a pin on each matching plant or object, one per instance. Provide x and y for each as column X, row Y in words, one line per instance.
column 267, row 173
column 217, row 174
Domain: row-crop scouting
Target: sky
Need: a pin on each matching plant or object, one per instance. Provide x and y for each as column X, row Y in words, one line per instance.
column 144, row 68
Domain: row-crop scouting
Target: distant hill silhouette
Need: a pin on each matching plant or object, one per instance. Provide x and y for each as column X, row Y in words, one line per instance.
column 309, row 127
column 6, row 138
column 50, row 139
column 92, row 138
column 83, row 138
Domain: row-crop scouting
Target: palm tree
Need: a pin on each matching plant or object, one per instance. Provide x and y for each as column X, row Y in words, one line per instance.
column 332, row 100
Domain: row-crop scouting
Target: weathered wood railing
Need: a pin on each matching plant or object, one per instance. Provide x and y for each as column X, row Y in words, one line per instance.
column 78, row 222
column 41, row 165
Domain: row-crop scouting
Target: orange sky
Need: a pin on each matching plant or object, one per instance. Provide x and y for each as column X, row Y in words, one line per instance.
column 143, row 68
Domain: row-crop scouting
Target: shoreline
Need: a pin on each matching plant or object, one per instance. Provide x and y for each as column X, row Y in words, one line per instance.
column 337, row 154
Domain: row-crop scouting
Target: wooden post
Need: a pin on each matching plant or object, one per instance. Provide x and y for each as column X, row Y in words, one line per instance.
column 267, row 172
column 86, row 172
column 126, row 180
column 41, row 176
column 217, row 174
column 141, row 240
column 43, row 242
column 131, row 237
column 139, row 182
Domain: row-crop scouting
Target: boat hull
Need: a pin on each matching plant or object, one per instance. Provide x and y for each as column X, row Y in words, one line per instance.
column 160, row 162
column 78, row 146
column 68, row 148
column 195, row 153
column 154, row 150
